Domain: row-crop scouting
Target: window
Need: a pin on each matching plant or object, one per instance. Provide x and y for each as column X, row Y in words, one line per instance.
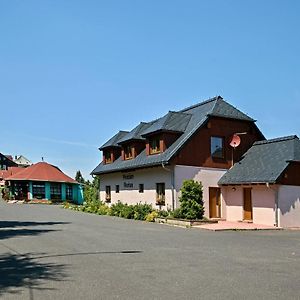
column 38, row 190
column 107, row 193
column 141, row 188
column 217, row 147
column 128, row 152
column 160, row 193
column 117, row 188
column 154, row 146
column 107, row 157
column 69, row 192
column 55, row 191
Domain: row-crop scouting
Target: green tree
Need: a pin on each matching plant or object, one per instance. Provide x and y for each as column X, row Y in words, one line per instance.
column 91, row 190
column 96, row 183
column 191, row 200
column 79, row 178
column 90, row 194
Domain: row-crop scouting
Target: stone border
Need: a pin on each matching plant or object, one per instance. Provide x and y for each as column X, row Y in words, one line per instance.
column 183, row 222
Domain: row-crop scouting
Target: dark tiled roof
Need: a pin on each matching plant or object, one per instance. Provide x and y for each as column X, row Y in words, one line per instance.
column 113, row 142
column 135, row 133
column 172, row 121
column 264, row 161
column 224, row 109
column 10, row 157
column 8, row 160
column 187, row 121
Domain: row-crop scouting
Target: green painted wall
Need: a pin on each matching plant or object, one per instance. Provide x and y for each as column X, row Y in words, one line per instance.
column 77, row 193
column 80, row 194
column 63, row 191
column 47, row 190
column 76, row 189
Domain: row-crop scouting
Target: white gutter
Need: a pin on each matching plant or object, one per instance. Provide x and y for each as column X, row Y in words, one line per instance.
column 172, row 183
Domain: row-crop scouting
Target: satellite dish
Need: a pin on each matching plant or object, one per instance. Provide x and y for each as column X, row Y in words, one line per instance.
column 235, row 141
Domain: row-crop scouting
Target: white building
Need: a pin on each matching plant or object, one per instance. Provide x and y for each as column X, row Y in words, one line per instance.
column 22, row 161
column 149, row 163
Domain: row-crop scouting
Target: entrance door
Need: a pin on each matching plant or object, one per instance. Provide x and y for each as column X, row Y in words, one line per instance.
column 214, row 202
column 247, row 204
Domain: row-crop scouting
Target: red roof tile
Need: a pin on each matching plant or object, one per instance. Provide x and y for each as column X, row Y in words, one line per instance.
column 11, row 171
column 42, row 171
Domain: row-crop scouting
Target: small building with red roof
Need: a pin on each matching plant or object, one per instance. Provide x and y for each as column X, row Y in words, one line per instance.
column 43, row 181
column 7, row 173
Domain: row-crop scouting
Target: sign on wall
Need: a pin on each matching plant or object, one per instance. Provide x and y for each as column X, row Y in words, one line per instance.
column 127, row 184
column 128, row 176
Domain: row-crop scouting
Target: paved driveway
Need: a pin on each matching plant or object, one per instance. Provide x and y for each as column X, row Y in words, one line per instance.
column 47, row 252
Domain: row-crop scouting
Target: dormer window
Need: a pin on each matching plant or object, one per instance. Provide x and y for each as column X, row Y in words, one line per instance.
column 154, row 146
column 107, row 157
column 128, row 152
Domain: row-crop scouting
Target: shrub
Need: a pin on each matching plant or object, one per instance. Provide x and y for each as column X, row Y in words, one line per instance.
column 128, row 212
column 162, row 213
column 141, row 211
column 137, row 212
column 151, row 217
column 191, row 201
column 177, row 214
column 103, row 210
column 91, row 206
column 117, row 208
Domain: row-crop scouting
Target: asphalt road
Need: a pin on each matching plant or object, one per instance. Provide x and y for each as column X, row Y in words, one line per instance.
column 47, row 252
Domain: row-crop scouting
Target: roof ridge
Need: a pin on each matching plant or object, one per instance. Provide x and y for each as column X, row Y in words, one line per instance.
column 212, row 113
column 201, row 103
column 179, row 112
column 168, row 115
column 214, row 105
column 276, row 140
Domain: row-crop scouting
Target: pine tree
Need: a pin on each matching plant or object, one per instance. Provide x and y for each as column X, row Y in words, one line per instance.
column 79, row 178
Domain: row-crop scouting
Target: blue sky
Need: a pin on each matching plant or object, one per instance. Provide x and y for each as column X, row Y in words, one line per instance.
column 73, row 73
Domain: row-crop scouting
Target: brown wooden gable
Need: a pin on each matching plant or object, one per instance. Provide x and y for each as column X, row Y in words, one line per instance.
column 166, row 139
column 137, row 147
column 197, row 152
column 113, row 152
column 291, row 176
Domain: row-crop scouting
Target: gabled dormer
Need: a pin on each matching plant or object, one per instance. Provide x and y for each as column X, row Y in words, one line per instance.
column 111, row 149
column 165, row 131
column 133, row 143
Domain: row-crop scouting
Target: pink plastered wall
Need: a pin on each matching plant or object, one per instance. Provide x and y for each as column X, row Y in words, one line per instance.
column 209, row 177
column 263, row 204
column 289, row 205
column 233, row 198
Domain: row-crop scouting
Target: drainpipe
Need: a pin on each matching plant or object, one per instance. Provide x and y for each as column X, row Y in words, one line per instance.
column 276, row 204
column 172, row 183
